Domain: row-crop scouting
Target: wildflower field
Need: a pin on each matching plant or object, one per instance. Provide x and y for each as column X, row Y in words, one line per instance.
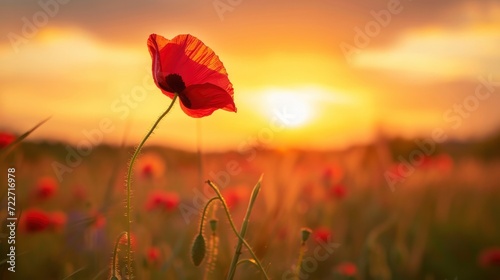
column 244, row 140
column 440, row 221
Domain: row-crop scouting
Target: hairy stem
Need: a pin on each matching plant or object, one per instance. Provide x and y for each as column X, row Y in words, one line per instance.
column 129, row 176
column 204, row 214
column 299, row 261
column 115, row 253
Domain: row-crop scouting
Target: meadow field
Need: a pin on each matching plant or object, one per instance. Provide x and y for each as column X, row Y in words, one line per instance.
column 371, row 216
column 287, row 140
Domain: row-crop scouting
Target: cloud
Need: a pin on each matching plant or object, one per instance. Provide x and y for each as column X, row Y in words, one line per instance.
column 89, row 53
column 437, row 54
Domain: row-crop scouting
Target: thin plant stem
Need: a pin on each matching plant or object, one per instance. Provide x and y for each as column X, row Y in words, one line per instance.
column 299, row 261
column 243, row 231
column 251, row 261
column 199, row 142
column 204, row 214
column 115, row 252
column 233, row 227
column 129, row 176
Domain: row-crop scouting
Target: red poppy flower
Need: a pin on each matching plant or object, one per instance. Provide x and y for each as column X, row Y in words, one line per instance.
column 338, row 191
column 443, row 163
column 124, row 241
column 162, row 200
column 147, row 170
column 396, row 171
column 490, row 257
column 45, row 188
column 426, row 162
column 34, row 220
column 347, row 269
column 6, row 139
column 187, row 67
column 98, row 220
column 57, row 220
column 236, row 196
column 232, row 198
column 153, row 255
column 322, row 234
column 150, row 166
column 332, row 174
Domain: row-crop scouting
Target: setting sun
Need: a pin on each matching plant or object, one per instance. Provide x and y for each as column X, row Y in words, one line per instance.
column 292, row 108
column 179, row 139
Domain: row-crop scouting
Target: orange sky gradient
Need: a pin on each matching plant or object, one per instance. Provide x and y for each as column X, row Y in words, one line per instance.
column 416, row 64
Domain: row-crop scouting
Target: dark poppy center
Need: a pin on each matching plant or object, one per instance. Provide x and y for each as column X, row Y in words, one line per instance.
column 175, row 83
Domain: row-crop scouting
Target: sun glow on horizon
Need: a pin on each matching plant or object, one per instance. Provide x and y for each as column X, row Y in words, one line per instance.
column 298, row 107
column 291, row 108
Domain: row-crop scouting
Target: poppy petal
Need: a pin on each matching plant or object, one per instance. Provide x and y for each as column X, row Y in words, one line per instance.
column 188, row 57
column 204, row 99
column 155, row 43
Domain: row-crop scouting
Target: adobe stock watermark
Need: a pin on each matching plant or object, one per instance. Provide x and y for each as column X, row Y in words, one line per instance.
column 310, row 264
column 223, row 6
column 282, row 118
column 363, row 36
column 94, row 137
column 32, row 25
column 454, row 117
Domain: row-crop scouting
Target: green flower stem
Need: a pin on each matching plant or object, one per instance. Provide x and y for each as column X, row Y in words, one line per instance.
column 129, row 176
column 251, row 261
column 233, row 227
column 204, row 214
column 243, row 230
column 115, row 252
column 299, row 261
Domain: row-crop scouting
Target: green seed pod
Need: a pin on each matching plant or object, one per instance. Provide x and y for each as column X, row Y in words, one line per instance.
column 113, row 278
column 306, row 232
column 213, row 225
column 198, row 250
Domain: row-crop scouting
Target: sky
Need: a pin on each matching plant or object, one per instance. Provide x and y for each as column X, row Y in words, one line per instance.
column 307, row 74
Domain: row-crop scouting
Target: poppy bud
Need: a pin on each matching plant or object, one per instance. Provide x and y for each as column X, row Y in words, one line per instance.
column 213, row 225
column 306, row 232
column 198, row 250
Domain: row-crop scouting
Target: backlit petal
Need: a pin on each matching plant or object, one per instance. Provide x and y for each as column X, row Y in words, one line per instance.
column 155, row 43
column 190, row 58
column 204, row 99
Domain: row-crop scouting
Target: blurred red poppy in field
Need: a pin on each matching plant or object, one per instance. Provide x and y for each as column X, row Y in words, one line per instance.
column 34, row 220
column 124, row 241
column 98, row 220
column 443, row 163
column 6, row 139
column 338, row 191
column 153, row 255
column 426, row 162
column 187, row 67
column 235, row 196
column 147, row 170
column 397, row 171
column 347, row 269
column 57, row 220
column 332, row 174
column 322, row 234
column 162, row 200
column 490, row 257
column 46, row 187
column 150, row 166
